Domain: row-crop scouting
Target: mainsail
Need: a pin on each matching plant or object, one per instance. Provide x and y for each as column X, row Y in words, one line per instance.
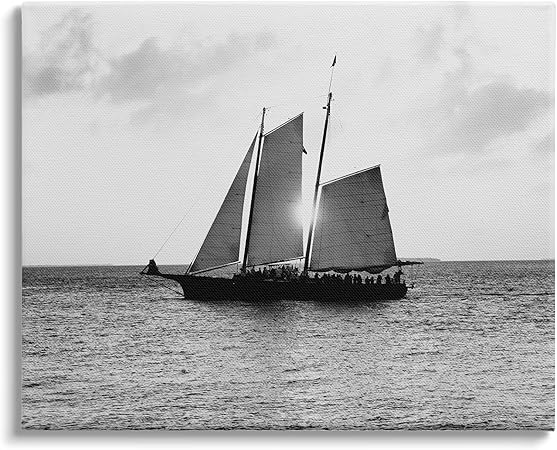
column 276, row 232
column 222, row 243
column 353, row 230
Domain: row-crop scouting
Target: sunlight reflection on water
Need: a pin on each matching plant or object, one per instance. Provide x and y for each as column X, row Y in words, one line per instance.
column 471, row 347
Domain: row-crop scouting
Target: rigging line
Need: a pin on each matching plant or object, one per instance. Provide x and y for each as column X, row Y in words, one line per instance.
column 176, row 227
column 182, row 219
column 298, row 103
column 256, row 118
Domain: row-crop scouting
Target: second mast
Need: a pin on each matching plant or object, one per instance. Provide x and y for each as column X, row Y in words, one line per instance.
column 244, row 263
column 317, row 180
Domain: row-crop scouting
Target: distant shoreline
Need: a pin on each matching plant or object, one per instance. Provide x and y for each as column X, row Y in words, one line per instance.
column 425, row 260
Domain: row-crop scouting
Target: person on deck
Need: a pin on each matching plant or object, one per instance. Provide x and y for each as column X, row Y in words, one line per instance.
column 379, row 279
column 396, row 276
column 152, row 268
column 388, row 279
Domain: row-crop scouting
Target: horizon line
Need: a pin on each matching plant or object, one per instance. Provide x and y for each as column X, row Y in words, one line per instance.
column 185, row 264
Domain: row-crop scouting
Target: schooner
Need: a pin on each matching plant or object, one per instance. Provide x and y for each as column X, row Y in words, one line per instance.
column 350, row 230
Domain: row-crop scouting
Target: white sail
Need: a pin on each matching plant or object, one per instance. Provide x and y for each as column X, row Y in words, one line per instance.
column 276, row 230
column 353, row 230
column 222, row 243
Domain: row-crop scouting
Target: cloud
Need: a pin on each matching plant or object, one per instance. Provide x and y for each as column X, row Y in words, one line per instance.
column 172, row 79
column 154, row 81
column 461, row 11
column 487, row 165
column 483, row 114
column 546, row 146
column 465, row 110
column 65, row 59
column 430, row 41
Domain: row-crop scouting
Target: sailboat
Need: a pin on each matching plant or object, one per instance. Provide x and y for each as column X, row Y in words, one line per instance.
column 350, row 231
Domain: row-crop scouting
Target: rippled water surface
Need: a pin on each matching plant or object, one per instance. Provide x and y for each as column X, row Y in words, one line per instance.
column 472, row 346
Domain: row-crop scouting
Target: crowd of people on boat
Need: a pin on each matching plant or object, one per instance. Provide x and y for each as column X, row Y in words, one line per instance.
column 293, row 274
column 289, row 273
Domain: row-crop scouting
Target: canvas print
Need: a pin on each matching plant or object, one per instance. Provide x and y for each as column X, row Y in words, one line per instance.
column 287, row 216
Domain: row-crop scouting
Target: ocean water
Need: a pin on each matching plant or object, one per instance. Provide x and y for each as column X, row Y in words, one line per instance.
column 471, row 347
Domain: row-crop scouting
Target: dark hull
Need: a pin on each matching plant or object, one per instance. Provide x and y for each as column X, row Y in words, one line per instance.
column 207, row 288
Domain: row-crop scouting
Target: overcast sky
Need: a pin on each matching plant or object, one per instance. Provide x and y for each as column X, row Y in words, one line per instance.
column 134, row 114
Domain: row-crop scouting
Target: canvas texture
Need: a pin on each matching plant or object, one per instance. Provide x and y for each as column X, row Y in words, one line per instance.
column 288, row 216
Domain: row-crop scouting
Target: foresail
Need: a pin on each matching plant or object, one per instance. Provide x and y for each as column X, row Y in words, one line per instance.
column 276, row 231
column 353, row 230
column 222, row 243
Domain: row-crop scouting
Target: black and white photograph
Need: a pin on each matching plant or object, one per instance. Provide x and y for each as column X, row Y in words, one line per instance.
column 287, row 216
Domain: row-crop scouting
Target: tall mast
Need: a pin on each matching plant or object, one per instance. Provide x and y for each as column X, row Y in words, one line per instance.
column 317, row 179
column 312, row 224
column 253, row 191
